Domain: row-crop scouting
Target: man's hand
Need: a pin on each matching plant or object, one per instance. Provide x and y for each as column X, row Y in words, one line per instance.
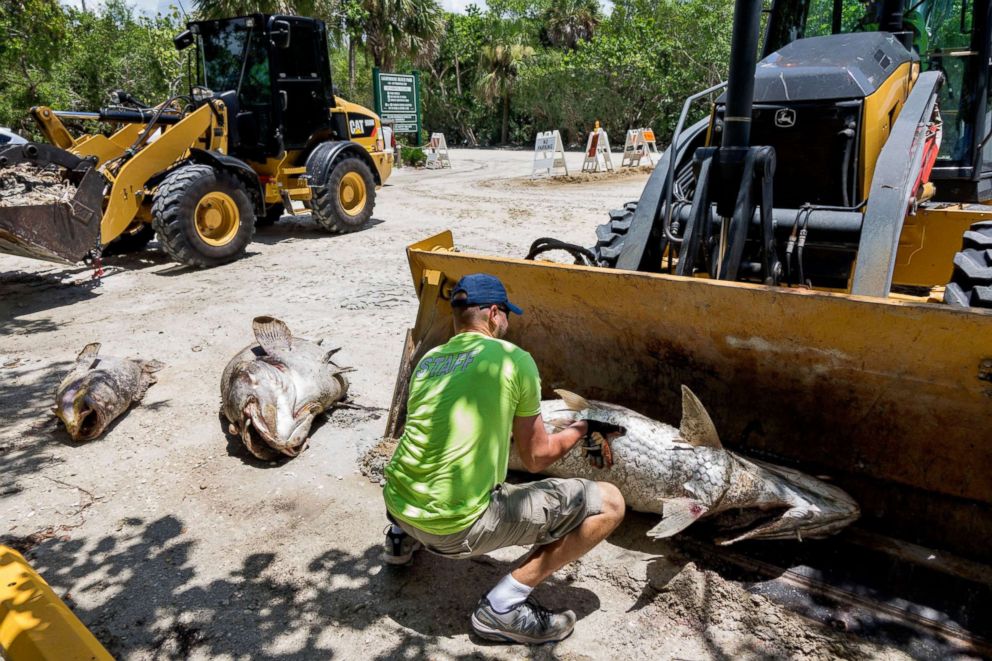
column 596, row 443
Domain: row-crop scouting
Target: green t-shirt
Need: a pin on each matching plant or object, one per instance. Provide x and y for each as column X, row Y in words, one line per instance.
column 455, row 448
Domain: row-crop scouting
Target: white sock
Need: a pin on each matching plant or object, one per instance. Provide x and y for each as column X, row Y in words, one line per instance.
column 508, row 593
column 396, row 530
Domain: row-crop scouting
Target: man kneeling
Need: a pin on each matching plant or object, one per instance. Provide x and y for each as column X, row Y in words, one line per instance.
column 445, row 485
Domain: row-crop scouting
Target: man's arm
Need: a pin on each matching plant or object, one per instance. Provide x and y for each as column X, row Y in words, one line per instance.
column 537, row 448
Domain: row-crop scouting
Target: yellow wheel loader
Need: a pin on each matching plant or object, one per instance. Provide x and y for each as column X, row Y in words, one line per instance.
column 259, row 128
column 813, row 259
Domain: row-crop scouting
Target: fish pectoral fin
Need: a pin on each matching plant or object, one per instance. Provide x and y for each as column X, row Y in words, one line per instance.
column 330, row 354
column 573, row 401
column 697, row 427
column 678, row 514
column 271, row 334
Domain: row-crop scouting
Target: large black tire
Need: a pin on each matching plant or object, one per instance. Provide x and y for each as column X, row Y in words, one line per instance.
column 129, row 242
column 610, row 236
column 272, row 215
column 186, row 205
column 971, row 282
column 343, row 202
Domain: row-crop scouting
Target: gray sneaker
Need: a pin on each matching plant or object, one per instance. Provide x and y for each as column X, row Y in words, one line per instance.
column 528, row 622
column 398, row 549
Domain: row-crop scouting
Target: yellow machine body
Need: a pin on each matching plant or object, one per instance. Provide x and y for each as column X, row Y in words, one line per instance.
column 35, row 625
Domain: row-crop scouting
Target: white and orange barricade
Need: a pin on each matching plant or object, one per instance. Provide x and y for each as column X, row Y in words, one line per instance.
column 640, row 144
column 437, row 152
column 549, row 155
column 598, row 156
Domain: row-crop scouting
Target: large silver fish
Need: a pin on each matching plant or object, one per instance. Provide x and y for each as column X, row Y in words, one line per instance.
column 685, row 474
column 98, row 389
column 272, row 390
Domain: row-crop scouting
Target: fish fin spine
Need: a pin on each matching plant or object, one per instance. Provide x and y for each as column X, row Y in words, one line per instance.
column 271, row 333
column 697, row 427
column 573, row 401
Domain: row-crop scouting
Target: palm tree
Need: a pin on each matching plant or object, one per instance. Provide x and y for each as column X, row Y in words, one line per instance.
column 498, row 67
column 567, row 22
column 394, row 28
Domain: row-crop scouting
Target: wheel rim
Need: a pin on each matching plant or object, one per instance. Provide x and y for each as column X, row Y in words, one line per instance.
column 217, row 218
column 352, row 193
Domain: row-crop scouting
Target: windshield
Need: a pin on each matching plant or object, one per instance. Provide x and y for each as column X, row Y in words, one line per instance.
column 222, row 49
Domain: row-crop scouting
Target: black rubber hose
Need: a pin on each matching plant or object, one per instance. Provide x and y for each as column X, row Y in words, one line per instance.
column 582, row 256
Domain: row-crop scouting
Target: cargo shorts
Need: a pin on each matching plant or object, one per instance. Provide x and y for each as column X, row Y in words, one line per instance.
column 534, row 513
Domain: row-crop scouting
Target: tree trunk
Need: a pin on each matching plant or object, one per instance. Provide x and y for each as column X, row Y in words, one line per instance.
column 506, row 118
column 458, row 77
column 352, row 51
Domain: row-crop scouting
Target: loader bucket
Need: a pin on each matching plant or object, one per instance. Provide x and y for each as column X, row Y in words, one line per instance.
column 62, row 230
column 890, row 400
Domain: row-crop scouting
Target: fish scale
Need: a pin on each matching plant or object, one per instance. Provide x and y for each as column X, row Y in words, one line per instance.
column 685, row 474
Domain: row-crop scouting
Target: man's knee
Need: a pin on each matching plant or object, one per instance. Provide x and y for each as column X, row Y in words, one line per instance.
column 614, row 506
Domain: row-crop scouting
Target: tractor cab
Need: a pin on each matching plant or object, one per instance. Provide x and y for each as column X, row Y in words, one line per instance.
column 273, row 74
column 949, row 36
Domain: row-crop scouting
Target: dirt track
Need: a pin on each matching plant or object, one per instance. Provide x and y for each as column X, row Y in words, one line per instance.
column 171, row 542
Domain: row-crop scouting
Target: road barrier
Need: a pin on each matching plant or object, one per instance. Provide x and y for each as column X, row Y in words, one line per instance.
column 437, row 152
column 598, row 158
column 640, row 143
column 549, row 155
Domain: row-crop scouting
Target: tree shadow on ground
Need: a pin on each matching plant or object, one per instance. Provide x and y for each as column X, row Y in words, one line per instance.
column 26, row 398
column 25, row 294
column 149, row 600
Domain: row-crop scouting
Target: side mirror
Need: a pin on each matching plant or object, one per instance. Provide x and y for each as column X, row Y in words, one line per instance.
column 279, row 36
column 183, row 40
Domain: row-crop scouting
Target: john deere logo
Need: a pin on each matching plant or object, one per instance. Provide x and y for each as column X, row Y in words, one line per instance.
column 785, row 118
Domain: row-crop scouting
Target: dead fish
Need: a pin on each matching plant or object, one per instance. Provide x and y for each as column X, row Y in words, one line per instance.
column 685, row 474
column 272, row 390
column 100, row 388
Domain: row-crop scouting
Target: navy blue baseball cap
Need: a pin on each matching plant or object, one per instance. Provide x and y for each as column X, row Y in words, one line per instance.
column 482, row 289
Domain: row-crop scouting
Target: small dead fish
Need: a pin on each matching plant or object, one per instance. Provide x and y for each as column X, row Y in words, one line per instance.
column 272, row 390
column 98, row 389
column 685, row 474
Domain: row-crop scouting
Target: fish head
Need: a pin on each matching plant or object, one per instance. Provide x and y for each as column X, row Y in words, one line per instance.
column 269, row 411
column 85, row 409
column 794, row 505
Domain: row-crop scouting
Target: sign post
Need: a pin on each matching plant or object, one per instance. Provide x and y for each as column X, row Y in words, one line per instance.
column 598, row 156
column 549, row 155
column 397, row 97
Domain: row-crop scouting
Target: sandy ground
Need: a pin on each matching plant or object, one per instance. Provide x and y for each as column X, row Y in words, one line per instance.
column 169, row 541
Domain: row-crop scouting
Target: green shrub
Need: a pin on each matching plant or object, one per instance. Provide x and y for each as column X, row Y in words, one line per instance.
column 413, row 156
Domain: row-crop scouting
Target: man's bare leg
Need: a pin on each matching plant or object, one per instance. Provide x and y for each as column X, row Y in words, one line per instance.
column 549, row 558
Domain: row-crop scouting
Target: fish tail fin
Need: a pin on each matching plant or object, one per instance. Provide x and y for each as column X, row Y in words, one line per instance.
column 678, row 514
column 271, row 333
column 573, row 401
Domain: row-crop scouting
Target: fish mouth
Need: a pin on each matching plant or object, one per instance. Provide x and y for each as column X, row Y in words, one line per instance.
column 265, row 442
column 86, row 424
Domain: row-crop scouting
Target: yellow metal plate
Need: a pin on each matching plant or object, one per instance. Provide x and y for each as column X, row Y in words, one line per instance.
column 34, row 623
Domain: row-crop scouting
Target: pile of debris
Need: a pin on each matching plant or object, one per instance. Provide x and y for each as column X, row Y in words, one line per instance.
column 24, row 184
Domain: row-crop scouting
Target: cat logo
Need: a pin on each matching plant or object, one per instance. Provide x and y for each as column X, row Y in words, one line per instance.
column 357, row 127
